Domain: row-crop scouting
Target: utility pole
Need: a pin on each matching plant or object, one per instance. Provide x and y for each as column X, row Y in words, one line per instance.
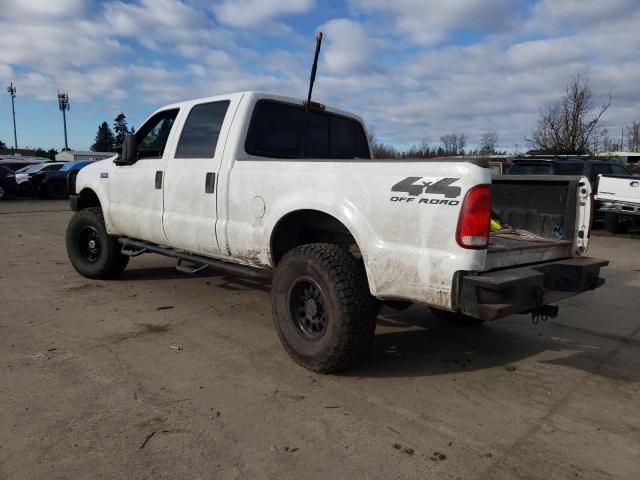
column 63, row 104
column 12, row 91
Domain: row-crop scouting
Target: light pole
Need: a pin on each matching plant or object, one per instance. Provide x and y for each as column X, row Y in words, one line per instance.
column 12, row 91
column 63, row 104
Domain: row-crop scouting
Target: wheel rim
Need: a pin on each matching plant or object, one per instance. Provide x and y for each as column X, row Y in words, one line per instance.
column 89, row 244
column 1, row 192
column 308, row 310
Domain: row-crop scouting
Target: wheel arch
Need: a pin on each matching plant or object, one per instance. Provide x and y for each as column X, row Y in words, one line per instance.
column 305, row 226
column 88, row 198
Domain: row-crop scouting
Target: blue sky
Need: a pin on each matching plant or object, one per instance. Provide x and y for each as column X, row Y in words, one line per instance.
column 414, row 69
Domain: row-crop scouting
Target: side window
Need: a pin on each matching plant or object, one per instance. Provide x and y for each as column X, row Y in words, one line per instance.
column 153, row 135
column 347, row 138
column 275, row 130
column 619, row 170
column 52, row 168
column 201, row 130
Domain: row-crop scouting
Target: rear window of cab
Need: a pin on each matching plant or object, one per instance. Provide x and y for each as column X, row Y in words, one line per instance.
column 276, row 130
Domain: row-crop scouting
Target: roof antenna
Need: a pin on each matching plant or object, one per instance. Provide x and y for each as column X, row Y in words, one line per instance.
column 312, row 79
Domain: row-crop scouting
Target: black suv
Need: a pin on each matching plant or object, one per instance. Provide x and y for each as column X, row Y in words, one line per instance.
column 570, row 166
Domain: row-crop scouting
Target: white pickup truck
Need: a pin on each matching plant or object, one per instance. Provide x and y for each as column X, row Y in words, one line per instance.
column 232, row 182
column 619, row 198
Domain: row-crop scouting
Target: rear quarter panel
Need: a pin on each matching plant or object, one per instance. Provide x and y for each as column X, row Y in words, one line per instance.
column 407, row 239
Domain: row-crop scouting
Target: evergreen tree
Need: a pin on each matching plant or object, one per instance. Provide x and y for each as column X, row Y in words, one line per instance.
column 120, row 128
column 3, row 145
column 104, row 139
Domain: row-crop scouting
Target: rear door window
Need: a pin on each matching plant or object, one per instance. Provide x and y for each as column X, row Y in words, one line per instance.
column 201, row 130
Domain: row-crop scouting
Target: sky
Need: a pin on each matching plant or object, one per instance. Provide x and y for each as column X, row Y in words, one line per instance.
column 413, row 69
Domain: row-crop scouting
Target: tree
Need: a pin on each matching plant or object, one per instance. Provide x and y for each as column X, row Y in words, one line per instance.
column 104, row 139
column 488, row 143
column 453, row 143
column 379, row 149
column 3, row 145
column 120, row 128
column 633, row 137
column 570, row 124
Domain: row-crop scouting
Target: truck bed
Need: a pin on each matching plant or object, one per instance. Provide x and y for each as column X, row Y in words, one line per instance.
column 541, row 211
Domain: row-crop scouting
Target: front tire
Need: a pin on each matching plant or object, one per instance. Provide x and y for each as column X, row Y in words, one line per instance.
column 92, row 251
column 322, row 308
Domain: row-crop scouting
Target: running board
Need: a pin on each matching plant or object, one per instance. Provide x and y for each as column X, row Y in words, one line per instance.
column 219, row 265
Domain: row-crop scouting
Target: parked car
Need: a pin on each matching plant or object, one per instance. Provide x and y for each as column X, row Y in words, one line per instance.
column 570, row 166
column 235, row 183
column 7, row 183
column 23, row 174
column 16, row 163
column 619, row 198
column 54, row 183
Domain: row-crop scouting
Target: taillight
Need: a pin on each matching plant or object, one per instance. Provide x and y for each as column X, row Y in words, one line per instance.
column 475, row 217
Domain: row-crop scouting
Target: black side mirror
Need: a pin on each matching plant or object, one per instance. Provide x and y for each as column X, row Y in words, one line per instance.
column 129, row 151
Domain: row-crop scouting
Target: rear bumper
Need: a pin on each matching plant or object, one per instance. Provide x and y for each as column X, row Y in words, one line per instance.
column 622, row 208
column 496, row 294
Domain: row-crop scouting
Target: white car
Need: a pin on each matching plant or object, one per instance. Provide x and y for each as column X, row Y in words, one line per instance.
column 22, row 175
column 620, row 201
column 269, row 187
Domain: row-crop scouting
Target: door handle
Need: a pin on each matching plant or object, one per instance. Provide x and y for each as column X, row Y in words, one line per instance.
column 635, row 183
column 210, row 183
column 159, row 179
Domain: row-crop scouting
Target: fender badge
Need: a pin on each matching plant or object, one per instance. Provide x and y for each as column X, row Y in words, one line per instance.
column 104, row 175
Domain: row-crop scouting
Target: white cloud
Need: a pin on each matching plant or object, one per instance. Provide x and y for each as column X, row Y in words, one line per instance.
column 430, row 22
column 252, row 13
column 347, row 47
column 55, row 8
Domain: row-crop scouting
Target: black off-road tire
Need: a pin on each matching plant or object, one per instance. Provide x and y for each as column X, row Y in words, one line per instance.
column 612, row 223
column 455, row 318
column 102, row 262
column 337, row 294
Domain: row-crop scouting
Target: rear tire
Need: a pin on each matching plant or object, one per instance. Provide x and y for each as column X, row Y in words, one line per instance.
column 3, row 193
column 322, row 308
column 92, row 251
column 612, row 223
column 455, row 318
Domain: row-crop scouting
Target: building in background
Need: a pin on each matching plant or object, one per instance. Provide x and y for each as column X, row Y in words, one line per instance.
column 74, row 155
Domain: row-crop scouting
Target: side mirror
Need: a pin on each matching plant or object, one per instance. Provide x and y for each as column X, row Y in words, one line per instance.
column 129, row 151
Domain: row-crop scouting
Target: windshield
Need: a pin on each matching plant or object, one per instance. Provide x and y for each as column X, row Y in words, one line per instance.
column 24, row 169
column 531, row 169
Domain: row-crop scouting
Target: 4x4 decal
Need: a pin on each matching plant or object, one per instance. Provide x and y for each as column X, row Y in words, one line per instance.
column 441, row 187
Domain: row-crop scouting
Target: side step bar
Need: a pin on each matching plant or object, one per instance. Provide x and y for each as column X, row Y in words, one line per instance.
column 136, row 247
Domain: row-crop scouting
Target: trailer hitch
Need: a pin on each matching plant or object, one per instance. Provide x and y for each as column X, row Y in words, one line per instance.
column 543, row 313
